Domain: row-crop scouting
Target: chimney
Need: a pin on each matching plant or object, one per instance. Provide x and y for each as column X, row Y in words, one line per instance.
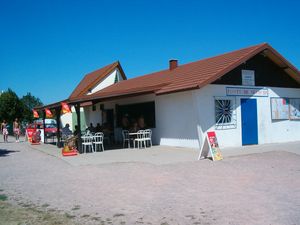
column 173, row 63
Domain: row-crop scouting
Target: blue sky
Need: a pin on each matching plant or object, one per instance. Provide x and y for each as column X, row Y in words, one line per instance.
column 46, row 47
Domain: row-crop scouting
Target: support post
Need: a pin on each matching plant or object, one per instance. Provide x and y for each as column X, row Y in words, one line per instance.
column 44, row 125
column 77, row 109
column 57, row 113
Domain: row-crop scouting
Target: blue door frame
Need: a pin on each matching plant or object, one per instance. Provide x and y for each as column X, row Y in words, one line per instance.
column 249, row 121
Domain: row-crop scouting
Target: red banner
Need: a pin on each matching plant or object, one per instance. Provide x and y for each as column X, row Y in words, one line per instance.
column 48, row 112
column 65, row 108
column 35, row 114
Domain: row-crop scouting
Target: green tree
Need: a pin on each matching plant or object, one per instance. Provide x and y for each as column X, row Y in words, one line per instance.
column 10, row 106
column 29, row 102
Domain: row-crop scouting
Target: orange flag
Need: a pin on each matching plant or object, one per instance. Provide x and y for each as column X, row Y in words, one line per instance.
column 35, row 114
column 65, row 108
column 48, row 112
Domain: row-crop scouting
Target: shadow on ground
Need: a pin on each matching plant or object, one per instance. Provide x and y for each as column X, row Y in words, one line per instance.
column 5, row 152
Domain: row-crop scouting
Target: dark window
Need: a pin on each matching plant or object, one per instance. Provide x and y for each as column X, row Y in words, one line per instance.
column 134, row 111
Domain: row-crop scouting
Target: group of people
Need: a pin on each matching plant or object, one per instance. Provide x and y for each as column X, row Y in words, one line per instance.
column 91, row 129
column 135, row 125
column 16, row 130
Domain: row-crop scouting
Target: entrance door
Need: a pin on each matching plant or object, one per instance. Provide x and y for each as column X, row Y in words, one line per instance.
column 249, row 121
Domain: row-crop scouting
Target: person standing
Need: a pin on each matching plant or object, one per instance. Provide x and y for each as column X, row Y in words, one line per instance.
column 4, row 130
column 16, row 127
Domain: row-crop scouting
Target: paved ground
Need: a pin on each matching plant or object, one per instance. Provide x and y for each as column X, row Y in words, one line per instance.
column 159, row 155
column 250, row 189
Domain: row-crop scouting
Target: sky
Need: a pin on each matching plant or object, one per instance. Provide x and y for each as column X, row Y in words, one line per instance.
column 46, row 47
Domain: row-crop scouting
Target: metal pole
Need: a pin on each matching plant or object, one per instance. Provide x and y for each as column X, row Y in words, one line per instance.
column 44, row 125
column 77, row 109
column 57, row 112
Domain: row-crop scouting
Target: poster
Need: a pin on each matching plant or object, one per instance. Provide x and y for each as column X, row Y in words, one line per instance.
column 295, row 108
column 280, row 109
column 214, row 146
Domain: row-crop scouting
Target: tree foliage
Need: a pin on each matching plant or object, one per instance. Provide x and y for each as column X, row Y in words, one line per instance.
column 29, row 102
column 12, row 107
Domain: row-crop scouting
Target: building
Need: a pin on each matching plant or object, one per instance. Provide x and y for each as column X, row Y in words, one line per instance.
column 248, row 96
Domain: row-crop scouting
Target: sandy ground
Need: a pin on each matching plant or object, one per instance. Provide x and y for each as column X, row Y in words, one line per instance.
column 258, row 189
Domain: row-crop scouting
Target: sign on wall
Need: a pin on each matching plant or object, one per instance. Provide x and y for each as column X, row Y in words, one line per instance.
column 248, row 78
column 294, row 108
column 239, row 91
column 280, row 109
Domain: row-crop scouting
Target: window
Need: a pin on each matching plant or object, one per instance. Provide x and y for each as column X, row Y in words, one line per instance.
column 225, row 113
column 134, row 111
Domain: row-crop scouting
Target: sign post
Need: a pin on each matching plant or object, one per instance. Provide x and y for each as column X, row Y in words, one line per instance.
column 210, row 144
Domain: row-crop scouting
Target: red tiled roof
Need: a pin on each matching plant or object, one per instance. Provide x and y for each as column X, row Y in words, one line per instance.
column 185, row 77
column 93, row 78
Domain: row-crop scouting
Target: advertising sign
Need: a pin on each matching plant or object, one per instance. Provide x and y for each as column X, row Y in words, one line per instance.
column 280, row 108
column 248, row 78
column 35, row 114
column 295, row 108
column 210, row 144
column 65, row 108
column 238, row 91
column 214, row 146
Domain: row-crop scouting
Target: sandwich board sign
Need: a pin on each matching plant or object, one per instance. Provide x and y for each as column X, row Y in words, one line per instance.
column 210, row 145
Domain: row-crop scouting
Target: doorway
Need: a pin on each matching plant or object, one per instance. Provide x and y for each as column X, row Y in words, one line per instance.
column 249, row 121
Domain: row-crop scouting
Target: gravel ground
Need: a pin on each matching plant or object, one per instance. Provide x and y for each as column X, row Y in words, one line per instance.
column 253, row 189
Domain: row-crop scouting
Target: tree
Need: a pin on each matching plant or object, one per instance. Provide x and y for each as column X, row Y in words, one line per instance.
column 10, row 106
column 29, row 102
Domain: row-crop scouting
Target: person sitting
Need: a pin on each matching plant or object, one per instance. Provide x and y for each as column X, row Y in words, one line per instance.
column 141, row 123
column 76, row 131
column 134, row 128
column 125, row 122
column 66, row 131
column 91, row 128
column 98, row 128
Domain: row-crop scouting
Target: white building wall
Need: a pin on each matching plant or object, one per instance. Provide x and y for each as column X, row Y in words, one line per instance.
column 66, row 118
column 109, row 80
column 176, row 120
column 183, row 118
column 91, row 116
column 269, row 131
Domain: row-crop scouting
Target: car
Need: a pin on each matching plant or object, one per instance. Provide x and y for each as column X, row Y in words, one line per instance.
column 50, row 130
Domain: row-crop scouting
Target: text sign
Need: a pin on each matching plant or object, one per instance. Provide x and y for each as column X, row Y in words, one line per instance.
column 248, row 78
column 214, row 146
column 257, row 92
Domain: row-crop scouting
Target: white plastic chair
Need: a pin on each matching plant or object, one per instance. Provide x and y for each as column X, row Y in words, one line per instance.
column 148, row 137
column 126, row 137
column 98, row 141
column 87, row 142
column 140, row 139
